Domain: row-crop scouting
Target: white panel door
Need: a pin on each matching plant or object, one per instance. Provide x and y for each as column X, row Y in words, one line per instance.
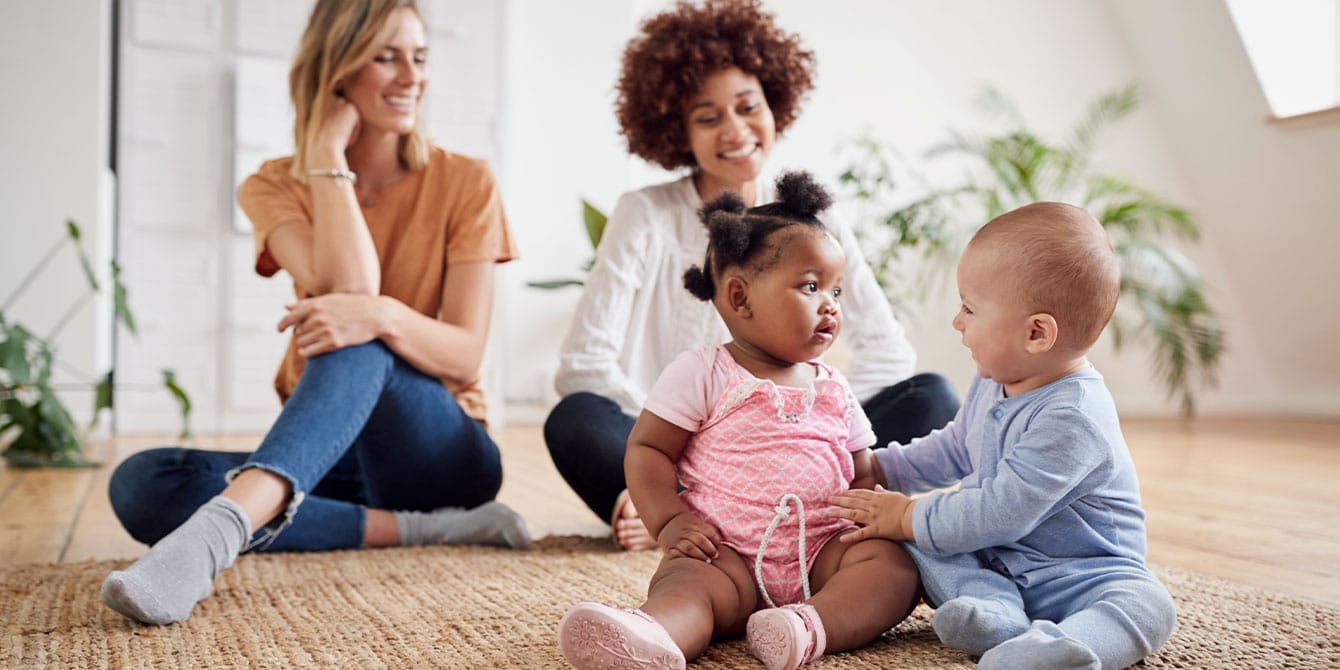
column 203, row 99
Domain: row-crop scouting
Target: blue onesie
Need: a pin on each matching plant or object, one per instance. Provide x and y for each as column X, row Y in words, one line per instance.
column 1043, row 542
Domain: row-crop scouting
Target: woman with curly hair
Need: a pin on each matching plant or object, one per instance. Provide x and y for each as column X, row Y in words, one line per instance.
column 707, row 87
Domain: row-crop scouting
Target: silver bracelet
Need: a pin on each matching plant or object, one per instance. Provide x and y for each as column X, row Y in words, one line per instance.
column 335, row 174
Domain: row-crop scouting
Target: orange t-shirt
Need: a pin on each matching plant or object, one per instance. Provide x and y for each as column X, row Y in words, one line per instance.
column 448, row 212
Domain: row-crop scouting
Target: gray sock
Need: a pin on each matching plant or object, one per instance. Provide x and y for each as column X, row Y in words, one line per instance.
column 1044, row 646
column 166, row 583
column 975, row 625
column 491, row 523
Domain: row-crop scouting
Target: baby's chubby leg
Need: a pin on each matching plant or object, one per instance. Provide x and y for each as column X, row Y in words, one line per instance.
column 689, row 602
column 697, row 601
column 862, row 590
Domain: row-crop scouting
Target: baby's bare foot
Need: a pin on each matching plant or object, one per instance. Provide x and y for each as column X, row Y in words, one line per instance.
column 630, row 533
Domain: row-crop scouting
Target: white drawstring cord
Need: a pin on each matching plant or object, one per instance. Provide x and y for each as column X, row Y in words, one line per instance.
column 782, row 513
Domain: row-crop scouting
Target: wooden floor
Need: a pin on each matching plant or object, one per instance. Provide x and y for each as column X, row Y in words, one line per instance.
column 1255, row 502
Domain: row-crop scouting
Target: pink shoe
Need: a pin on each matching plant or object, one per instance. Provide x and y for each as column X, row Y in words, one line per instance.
column 595, row 636
column 785, row 638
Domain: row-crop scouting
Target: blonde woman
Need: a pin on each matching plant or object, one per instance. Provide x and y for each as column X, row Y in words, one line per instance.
column 391, row 244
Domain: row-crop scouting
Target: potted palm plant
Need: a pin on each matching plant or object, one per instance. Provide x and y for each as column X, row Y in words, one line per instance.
column 1163, row 303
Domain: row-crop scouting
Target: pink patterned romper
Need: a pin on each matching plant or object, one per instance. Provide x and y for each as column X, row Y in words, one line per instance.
column 755, row 442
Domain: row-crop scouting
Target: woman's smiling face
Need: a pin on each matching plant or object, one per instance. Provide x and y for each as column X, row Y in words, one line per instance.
column 388, row 90
column 730, row 129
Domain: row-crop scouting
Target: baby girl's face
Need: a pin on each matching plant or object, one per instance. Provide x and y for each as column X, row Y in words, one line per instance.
column 795, row 301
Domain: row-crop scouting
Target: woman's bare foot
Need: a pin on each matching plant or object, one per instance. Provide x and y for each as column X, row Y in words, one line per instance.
column 630, row 534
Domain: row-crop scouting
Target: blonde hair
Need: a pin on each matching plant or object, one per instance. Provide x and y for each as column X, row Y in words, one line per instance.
column 1056, row 258
column 341, row 37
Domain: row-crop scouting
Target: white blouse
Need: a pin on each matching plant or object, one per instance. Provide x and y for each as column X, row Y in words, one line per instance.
column 635, row 316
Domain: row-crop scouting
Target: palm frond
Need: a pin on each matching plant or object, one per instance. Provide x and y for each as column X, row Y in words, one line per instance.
column 958, row 144
column 1177, row 319
column 1155, row 264
column 996, row 104
column 1106, row 110
column 1136, row 214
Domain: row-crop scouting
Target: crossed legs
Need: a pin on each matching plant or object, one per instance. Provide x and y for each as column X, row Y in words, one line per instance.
column 359, row 409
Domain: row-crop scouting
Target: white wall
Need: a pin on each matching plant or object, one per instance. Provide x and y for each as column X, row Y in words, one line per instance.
column 560, row 144
column 1267, row 196
column 54, row 72
column 908, row 71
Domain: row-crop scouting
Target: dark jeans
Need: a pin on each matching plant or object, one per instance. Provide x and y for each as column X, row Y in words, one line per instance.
column 362, row 429
column 587, row 433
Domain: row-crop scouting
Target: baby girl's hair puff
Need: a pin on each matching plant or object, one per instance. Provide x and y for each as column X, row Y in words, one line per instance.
column 738, row 236
column 799, row 197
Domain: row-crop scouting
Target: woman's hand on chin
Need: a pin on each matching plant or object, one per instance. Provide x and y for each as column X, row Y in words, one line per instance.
column 339, row 130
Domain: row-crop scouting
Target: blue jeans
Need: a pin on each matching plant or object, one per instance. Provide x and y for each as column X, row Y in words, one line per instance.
column 362, row 429
column 587, row 434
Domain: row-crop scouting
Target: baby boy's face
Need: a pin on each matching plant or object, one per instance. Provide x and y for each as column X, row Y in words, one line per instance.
column 991, row 320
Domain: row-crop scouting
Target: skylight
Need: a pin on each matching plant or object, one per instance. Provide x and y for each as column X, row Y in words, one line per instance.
column 1292, row 46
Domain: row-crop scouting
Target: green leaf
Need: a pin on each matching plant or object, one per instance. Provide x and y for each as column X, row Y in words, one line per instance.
column 102, row 398
column 46, row 437
column 42, row 357
column 551, row 284
column 72, row 229
column 18, row 414
column 120, row 301
column 183, row 401
column 594, row 220
column 595, row 223
column 56, row 420
column 14, row 354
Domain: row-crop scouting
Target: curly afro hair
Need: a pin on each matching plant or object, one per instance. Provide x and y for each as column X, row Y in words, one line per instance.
column 737, row 236
column 679, row 49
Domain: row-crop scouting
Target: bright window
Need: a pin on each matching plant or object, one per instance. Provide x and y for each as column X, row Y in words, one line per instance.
column 1292, row 46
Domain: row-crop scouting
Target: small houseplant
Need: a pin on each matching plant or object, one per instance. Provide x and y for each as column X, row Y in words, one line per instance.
column 1163, row 302
column 43, row 432
column 594, row 221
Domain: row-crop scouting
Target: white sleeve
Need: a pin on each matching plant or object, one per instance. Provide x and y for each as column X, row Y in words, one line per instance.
column 881, row 354
column 590, row 356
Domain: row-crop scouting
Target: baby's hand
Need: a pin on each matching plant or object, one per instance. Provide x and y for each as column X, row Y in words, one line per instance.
column 687, row 535
column 880, row 513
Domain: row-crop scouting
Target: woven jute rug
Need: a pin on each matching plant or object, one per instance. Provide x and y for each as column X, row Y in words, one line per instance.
column 470, row 607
